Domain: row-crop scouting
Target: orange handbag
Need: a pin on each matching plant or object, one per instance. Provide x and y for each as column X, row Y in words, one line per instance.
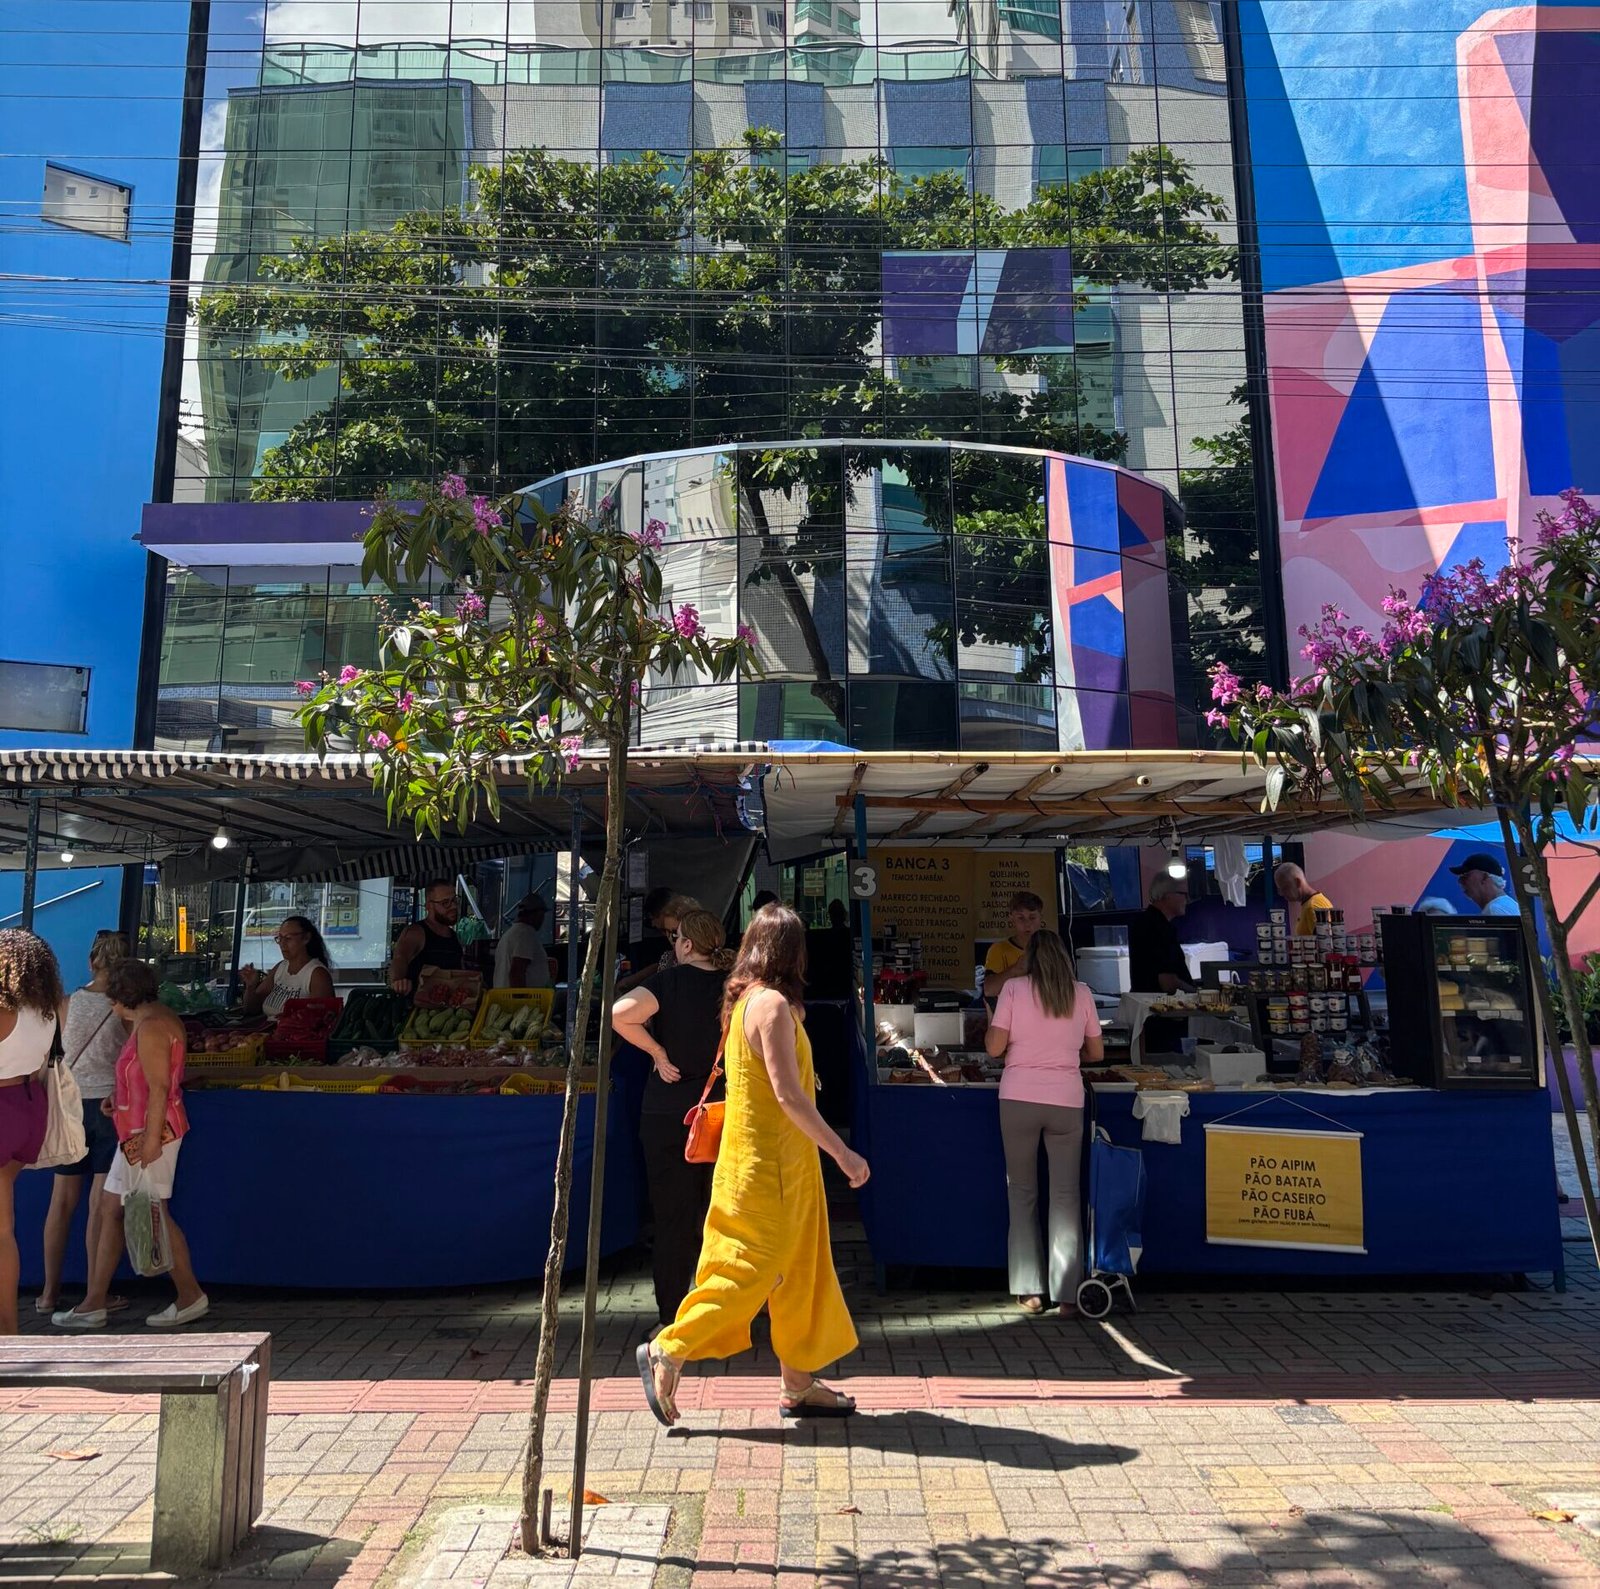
column 705, row 1119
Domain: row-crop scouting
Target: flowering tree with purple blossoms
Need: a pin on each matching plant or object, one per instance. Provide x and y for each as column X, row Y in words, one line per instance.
column 1486, row 685
column 556, row 620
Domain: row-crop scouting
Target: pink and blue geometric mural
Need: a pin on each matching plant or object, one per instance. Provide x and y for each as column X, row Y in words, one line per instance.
column 1429, row 224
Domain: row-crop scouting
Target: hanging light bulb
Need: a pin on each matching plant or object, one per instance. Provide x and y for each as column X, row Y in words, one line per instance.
column 67, row 857
column 220, row 839
column 1176, row 865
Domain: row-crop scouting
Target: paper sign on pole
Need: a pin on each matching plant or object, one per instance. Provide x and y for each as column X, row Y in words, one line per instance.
column 1284, row 1189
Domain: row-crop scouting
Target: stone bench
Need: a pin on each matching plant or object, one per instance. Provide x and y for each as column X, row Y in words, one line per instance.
column 211, row 1449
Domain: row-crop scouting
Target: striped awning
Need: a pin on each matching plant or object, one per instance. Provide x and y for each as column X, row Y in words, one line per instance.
column 302, row 816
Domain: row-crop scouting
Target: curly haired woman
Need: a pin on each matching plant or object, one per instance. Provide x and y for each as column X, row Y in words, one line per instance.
column 33, row 1008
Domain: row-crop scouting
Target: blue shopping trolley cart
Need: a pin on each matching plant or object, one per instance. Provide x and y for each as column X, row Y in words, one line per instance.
column 1116, row 1224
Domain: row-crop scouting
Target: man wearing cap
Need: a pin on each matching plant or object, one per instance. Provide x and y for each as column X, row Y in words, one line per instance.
column 1483, row 881
column 520, row 958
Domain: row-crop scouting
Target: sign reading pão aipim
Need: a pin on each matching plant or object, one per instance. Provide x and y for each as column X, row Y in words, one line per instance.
column 1284, row 1189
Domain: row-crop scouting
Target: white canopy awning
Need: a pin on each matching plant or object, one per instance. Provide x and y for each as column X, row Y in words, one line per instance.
column 1038, row 800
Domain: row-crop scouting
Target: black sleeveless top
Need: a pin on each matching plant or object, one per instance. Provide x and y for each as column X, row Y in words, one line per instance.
column 438, row 949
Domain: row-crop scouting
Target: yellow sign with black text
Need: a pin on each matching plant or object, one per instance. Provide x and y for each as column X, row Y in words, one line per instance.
column 953, row 899
column 1284, row 1189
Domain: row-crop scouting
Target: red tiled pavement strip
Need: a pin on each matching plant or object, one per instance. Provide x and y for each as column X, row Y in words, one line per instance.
column 756, row 1393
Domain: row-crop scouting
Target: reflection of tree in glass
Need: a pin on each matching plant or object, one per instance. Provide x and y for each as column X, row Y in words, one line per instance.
column 1216, row 561
column 656, row 303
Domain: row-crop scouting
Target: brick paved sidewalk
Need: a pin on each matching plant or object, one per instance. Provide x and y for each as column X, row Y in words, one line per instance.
column 1216, row 1437
column 1096, row 1493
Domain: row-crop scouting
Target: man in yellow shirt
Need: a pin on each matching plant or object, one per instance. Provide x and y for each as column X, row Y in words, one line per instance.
column 1297, row 889
column 1004, row 959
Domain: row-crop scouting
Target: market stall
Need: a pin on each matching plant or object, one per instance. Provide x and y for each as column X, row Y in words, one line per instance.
column 1295, row 1142
column 363, row 1141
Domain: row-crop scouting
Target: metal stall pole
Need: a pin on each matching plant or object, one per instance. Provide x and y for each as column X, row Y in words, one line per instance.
column 30, row 866
column 573, row 915
column 597, row 1198
column 243, row 887
column 870, row 1025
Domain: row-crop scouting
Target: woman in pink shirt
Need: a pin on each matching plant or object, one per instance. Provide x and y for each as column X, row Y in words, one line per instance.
column 1046, row 1026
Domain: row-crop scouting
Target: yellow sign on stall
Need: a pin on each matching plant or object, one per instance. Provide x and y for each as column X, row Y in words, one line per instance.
column 1284, row 1189
column 954, row 899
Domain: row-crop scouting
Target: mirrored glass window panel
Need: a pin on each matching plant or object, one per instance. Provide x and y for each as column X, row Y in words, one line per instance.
column 1092, row 720
column 274, row 635
column 695, row 715
column 702, row 574
column 791, row 594
column 192, row 626
column 1007, row 717
column 693, row 498
column 888, row 714
column 769, row 711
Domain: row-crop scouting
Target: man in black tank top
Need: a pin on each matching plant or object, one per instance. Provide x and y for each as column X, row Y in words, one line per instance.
column 429, row 942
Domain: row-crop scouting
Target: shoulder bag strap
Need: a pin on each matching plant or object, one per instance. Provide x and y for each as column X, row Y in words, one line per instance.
column 57, row 1051
column 716, row 1069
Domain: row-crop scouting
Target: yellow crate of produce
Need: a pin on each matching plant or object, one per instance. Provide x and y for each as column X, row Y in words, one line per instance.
column 442, row 1028
column 512, row 1015
column 248, row 1052
column 288, row 1081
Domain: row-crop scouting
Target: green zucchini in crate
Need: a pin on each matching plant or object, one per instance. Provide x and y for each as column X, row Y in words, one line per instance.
column 514, row 1017
column 430, row 1027
column 372, row 1019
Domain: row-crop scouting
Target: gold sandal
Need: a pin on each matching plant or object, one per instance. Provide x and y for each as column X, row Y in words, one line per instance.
column 659, row 1375
column 799, row 1404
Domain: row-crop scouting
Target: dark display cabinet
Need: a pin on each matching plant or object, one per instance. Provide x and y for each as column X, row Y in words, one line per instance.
column 1461, row 1007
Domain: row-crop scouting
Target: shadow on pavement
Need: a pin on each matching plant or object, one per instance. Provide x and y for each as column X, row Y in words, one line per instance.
column 926, row 1432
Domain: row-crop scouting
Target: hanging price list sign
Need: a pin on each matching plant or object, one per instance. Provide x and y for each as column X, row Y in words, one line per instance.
column 1284, row 1189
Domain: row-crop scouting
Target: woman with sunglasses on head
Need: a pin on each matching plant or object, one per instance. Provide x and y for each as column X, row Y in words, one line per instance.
column 674, row 1018
column 91, row 1039
column 766, row 1242
column 303, row 973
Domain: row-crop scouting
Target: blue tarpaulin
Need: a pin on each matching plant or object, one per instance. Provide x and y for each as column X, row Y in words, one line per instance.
column 1452, row 1182
column 337, row 1191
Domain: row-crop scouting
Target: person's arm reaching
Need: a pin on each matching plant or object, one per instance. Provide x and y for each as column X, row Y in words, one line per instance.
column 769, row 1025
column 256, row 990
column 1094, row 1048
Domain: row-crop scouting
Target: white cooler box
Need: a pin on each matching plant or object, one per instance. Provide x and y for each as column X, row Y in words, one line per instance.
column 1230, row 1070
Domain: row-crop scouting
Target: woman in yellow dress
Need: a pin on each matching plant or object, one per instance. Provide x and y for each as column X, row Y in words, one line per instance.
column 766, row 1238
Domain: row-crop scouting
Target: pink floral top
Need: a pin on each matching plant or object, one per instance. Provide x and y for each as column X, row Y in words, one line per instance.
column 133, row 1091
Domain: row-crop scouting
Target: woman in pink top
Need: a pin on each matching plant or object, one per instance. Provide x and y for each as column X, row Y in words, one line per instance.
column 1046, row 1026
column 147, row 1109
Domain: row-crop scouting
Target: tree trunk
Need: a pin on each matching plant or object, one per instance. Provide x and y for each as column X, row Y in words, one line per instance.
column 825, row 687
column 550, row 1302
column 1532, row 866
column 611, row 886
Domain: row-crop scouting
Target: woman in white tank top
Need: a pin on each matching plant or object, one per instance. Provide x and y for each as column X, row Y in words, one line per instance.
column 32, row 1007
column 303, row 973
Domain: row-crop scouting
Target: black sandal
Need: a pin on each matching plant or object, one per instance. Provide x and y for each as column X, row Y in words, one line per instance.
column 661, row 1400
column 793, row 1404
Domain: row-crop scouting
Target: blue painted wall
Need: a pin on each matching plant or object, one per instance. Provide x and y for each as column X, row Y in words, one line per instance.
column 96, row 86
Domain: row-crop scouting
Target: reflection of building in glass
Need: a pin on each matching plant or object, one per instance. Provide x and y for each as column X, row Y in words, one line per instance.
column 308, row 161
column 942, row 295
column 906, row 595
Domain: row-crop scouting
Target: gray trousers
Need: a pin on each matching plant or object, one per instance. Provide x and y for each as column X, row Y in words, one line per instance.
column 1021, row 1127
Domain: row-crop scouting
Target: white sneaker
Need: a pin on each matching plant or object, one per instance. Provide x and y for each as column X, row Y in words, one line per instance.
column 72, row 1319
column 172, row 1315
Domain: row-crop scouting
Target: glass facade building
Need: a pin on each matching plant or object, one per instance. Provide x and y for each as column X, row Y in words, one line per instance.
column 913, row 596
column 524, row 239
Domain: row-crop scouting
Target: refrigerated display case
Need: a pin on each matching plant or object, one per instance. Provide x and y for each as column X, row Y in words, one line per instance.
column 1461, row 1005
